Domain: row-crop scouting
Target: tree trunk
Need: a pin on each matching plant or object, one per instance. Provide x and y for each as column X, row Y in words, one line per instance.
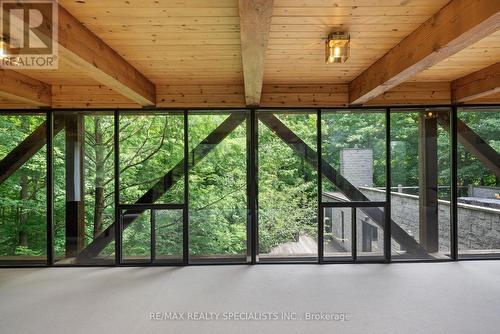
column 99, row 177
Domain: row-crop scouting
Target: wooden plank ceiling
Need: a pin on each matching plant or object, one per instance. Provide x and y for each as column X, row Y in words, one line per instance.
column 171, row 42
column 299, row 28
column 191, row 51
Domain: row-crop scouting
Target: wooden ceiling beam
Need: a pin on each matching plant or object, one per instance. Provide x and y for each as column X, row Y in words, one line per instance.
column 21, row 88
column 476, row 85
column 86, row 52
column 456, row 26
column 255, row 24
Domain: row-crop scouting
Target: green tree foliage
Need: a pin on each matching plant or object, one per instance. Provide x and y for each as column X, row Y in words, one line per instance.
column 22, row 195
column 287, row 187
column 217, row 191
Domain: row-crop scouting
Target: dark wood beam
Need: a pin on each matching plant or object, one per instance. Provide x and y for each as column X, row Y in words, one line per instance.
column 27, row 149
column 476, row 85
column 473, row 143
column 456, row 26
column 255, row 24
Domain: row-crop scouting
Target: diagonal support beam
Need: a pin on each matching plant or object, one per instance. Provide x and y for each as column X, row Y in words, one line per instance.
column 456, row 26
column 165, row 183
column 255, row 24
column 476, row 85
column 27, row 149
column 306, row 152
column 473, row 143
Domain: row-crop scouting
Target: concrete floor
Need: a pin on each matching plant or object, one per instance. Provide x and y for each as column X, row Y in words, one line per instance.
column 461, row 297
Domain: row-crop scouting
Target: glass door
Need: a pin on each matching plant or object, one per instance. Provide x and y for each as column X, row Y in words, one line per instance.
column 353, row 185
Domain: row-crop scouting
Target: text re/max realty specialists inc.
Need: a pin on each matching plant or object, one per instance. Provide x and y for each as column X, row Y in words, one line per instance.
column 248, row 316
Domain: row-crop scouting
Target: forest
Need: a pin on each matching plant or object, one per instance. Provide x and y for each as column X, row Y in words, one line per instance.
column 150, row 145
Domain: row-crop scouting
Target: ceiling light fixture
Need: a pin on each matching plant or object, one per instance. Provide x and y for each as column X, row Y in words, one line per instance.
column 6, row 59
column 337, row 47
column 2, row 47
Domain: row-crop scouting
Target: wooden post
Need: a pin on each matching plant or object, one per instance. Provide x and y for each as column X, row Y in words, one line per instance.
column 75, row 185
column 428, row 182
column 255, row 24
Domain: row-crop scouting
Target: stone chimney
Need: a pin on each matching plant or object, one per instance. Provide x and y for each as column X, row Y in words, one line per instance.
column 356, row 165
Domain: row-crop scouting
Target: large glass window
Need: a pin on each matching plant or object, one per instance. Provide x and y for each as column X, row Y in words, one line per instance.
column 420, row 184
column 23, row 201
column 161, row 192
column 287, row 186
column 152, row 187
column 151, row 154
column 218, row 209
column 353, row 145
column 84, row 180
column 478, row 182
